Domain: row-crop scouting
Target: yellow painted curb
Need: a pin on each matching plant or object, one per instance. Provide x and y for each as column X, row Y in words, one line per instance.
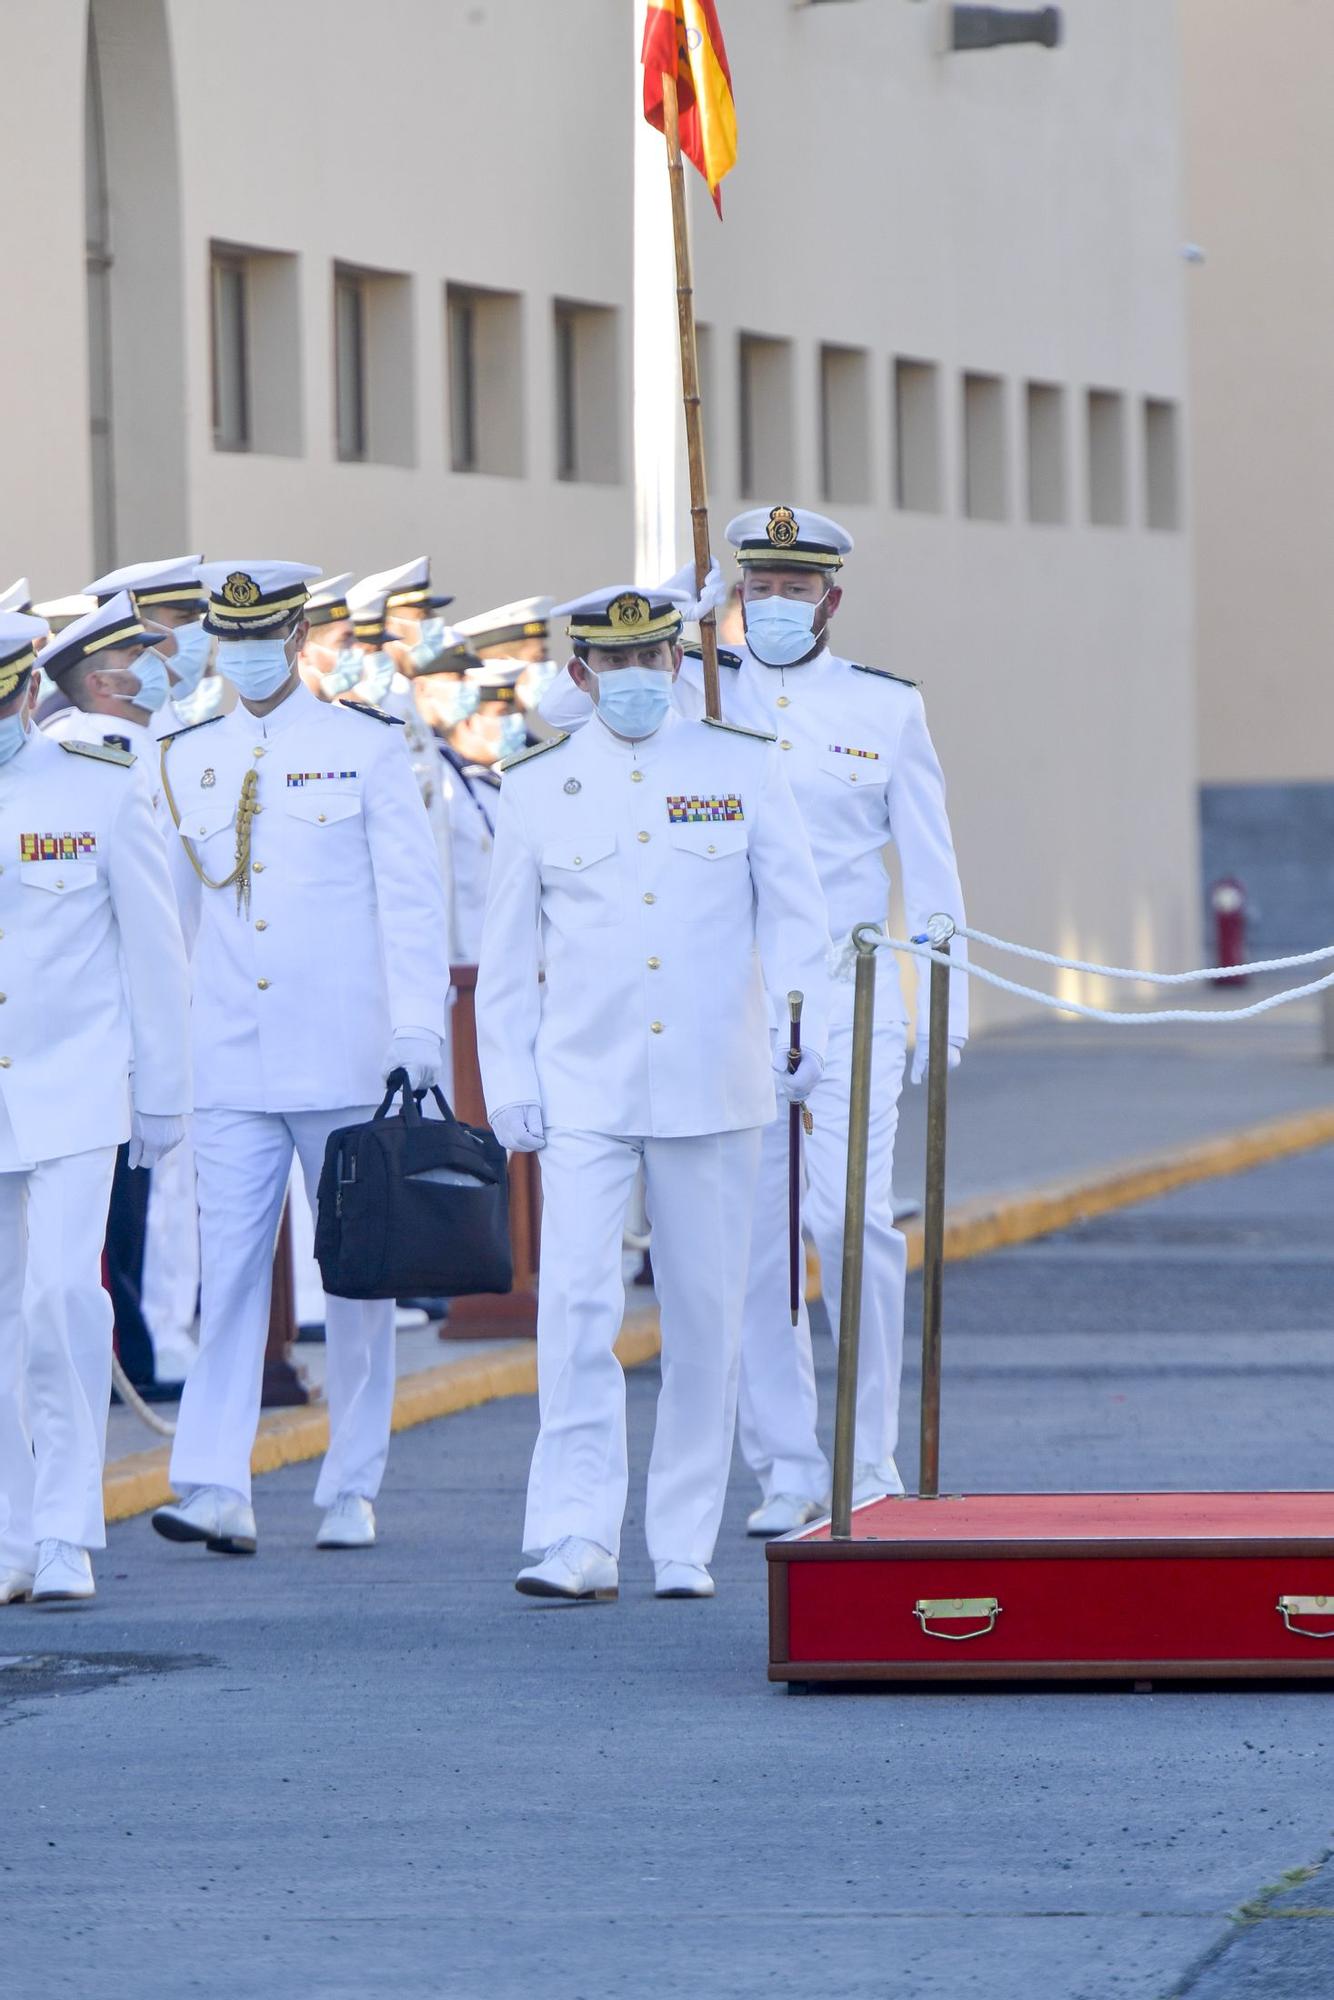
column 139, row 1483
column 997, row 1222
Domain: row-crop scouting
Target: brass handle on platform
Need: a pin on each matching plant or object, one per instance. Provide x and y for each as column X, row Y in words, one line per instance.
column 928, row 1608
column 1306, row 1607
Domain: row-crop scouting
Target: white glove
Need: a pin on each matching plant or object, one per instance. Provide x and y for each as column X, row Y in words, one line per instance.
column 712, row 596
column 519, row 1127
column 795, row 1086
column 420, row 1053
column 922, row 1055
column 152, row 1137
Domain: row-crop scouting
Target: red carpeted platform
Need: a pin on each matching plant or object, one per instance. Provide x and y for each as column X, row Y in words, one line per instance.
column 1060, row 1586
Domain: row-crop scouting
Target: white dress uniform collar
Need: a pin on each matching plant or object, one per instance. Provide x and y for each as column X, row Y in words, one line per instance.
column 297, row 707
column 642, row 750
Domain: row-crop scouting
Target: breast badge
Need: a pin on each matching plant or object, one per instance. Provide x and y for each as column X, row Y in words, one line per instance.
column 695, row 811
column 572, row 785
column 209, row 779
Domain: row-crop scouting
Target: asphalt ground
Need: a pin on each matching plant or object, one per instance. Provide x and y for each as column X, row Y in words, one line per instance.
column 386, row 1773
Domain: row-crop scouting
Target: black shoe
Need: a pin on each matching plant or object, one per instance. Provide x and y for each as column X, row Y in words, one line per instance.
column 311, row 1333
column 433, row 1308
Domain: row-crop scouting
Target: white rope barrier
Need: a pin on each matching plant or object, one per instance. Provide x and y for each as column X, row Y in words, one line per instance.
column 132, row 1400
column 1146, row 978
column 916, row 949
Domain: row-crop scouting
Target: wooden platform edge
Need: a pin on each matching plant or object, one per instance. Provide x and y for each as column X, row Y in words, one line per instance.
column 138, row 1483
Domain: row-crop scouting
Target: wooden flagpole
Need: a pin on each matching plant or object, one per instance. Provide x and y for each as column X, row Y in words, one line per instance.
column 685, row 313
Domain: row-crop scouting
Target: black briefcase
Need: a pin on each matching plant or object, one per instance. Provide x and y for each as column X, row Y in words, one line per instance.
column 412, row 1206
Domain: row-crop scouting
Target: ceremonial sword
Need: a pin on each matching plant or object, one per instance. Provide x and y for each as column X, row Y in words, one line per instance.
column 797, row 1116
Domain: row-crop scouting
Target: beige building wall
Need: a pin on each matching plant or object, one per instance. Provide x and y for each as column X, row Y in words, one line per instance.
column 1258, row 88
column 1011, row 217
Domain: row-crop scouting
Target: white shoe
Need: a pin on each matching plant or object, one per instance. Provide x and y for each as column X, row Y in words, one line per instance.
column 572, row 1568
column 64, row 1574
column 173, row 1360
column 215, row 1516
column 875, row 1482
column 15, row 1586
column 349, row 1524
column 782, row 1514
column 682, row 1580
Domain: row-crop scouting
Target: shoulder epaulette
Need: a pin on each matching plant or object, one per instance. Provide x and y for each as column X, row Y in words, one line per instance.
column 105, row 753
column 533, row 750
column 737, row 729
column 725, row 658
column 881, row 673
column 375, row 714
column 190, row 729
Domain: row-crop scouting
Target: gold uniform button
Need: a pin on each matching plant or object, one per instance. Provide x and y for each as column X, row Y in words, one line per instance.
column 783, row 701
column 261, row 923
column 656, row 1027
column 712, row 848
column 578, row 860
column 653, row 964
column 257, row 752
column 258, row 867
column 785, row 745
column 320, row 818
column 263, row 985
column 203, row 829
column 649, row 896
column 60, row 885
column 641, row 837
column 4, row 1062
column 636, row 777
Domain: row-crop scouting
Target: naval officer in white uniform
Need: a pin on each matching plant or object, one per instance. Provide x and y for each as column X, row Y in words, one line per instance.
column 317, row 920
column 858, row 754
column 656, row 870
column 93, row 1051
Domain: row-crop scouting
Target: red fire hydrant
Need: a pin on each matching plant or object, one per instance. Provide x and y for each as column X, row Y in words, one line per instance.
column 1227, row 905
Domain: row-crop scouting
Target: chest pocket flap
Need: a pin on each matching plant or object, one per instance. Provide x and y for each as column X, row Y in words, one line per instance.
column 202, row 818
column 322, row 808
column 711, row 840
column 59, row 878
column 851, row 770
column 578, row 850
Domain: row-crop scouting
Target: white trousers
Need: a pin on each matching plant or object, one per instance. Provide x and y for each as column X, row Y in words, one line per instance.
column 243, row 1159
column 170, row 1291
column 700, row 1192
column 777, row 1406
column 55, row 1354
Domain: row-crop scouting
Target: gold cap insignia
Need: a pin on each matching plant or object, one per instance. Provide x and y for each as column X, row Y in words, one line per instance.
column 628, row 612
column 782, row 530
column 240, row 590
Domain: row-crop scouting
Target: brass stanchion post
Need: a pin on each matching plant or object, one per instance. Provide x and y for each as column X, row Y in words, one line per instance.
column 939, row 932
column 865, row 937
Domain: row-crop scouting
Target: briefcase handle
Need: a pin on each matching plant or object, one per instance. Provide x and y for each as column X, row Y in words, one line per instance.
column 396, row 1085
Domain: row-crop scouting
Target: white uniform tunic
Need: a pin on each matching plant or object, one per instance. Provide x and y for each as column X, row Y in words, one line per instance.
column 664, row 885
column 296, row 998
column 343, row 941
column 92, row 1018
column 473, row 799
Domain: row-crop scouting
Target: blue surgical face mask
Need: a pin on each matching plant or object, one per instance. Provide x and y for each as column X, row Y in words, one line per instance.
column 780, row 631
column 537, row 678
column 454, row 702
column 432, row 634
column 346, row 672
column 633, row 700
column 504, row 735
column 190, row 658
column 150, row 669
column 377, row 676
column 13, row 736
column 204, row 701
column 256, row 668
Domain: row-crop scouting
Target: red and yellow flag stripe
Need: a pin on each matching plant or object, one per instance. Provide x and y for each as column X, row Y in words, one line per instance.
column 682, row 38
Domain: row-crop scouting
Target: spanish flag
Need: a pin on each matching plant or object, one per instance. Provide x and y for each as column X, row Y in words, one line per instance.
column 682, row 38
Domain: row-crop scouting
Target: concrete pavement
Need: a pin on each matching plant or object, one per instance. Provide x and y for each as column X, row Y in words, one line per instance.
column 344, row 1776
